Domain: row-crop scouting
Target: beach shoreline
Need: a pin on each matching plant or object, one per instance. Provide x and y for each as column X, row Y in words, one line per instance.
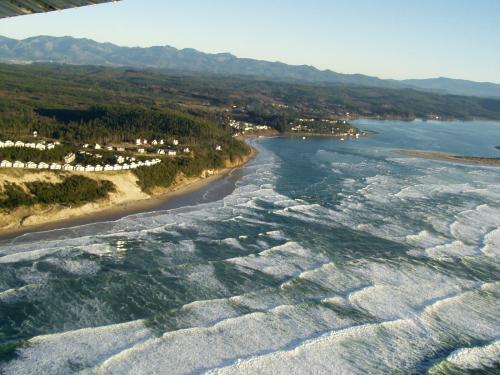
column 184, row 192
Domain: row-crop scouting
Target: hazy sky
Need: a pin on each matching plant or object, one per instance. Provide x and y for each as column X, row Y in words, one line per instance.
column 386, row 38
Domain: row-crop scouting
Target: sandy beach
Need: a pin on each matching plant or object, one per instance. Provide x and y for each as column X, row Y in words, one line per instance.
column 128, row 200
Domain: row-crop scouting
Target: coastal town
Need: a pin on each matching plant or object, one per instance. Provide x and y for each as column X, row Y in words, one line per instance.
column 341, row 129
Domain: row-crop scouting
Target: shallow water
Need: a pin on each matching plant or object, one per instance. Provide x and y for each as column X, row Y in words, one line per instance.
column 329, row 257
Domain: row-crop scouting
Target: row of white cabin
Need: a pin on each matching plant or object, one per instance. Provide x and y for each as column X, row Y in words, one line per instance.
column 78, row 167
column 38, row 146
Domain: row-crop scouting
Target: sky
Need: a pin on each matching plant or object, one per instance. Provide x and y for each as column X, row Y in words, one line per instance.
column 385, row 38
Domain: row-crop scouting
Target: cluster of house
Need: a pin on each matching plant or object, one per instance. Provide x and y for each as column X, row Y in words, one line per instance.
column 344, row 122
column 334, row 130
column 154, row 142
column 42, row 146
column 140, row 150
column 246, row 126
column 78, row 167
column 97, row 146
column 161, row 151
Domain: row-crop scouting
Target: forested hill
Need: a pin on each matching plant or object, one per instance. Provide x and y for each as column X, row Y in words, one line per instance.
column 88, row 52
column 29, row 92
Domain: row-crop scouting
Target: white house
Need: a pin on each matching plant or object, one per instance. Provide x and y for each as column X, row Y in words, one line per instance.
column 120, row 159
column 172, row 153
column 41, row 147
column 140, row 164
column 79, row 168
column 35, row 133
column 2, row 144
column 108, row 167
column 218, row 148
column 141, row 151
column 138, row 142
column 125, row 167
column 18, row 164
column 99, row 168
column 187, row 150
column 120, row 149
column 70, row 158
column 175, row 142
column 89, row 168
column 162, row 142
column 31, row 165
column 117, row 167
column 19, row 144
column 43, row 165
column 30, row 145
column 68, row 167
column 9, row 144
column 133, row 165
column 145, row 142
column 5, row 164
column 51, row 146
column 86, row 145
column 160, row 151
column 97, row 146
column 109, row 148
column 147, row 163
column 155, row 142
column 55, row 167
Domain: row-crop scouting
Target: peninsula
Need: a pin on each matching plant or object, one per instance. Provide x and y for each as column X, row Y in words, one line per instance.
column 452, row 158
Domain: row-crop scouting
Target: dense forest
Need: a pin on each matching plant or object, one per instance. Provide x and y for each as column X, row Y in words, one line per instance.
column 47, row 87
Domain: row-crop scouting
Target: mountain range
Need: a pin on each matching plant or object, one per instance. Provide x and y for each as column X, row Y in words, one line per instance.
column 69, row 50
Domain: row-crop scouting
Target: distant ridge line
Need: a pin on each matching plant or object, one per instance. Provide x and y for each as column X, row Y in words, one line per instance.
column 69, row 50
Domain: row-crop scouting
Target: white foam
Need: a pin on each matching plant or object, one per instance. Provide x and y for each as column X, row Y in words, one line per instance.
column 491, row 243
column 76, row 266
column 289, row 259
column 470, row 226
column 13, row 294
column 196, row 349
column 28, row 255
column 424, row 239
column 476, row 358
column 61, row 353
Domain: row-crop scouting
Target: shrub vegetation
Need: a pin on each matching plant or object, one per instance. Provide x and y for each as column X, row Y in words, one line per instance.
column 72, row 190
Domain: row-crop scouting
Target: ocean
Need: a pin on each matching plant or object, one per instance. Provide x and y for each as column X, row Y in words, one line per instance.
column 328, row 257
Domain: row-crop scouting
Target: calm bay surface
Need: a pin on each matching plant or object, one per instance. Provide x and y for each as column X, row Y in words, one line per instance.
column 328, row 257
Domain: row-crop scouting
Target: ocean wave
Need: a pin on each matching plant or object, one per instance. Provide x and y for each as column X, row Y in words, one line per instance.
column 476, row 358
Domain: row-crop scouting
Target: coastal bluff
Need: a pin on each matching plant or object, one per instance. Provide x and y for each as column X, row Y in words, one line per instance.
column 127, row 193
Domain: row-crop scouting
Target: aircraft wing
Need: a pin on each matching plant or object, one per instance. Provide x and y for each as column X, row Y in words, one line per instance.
column 13, row 8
